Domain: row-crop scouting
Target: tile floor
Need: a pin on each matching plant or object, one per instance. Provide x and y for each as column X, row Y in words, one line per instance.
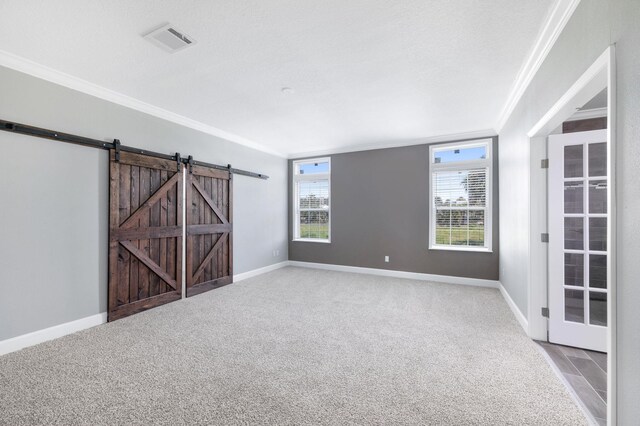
column 586, row 373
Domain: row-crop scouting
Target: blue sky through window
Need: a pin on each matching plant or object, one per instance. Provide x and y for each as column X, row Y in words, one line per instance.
column 462, row 154
column 311, row 168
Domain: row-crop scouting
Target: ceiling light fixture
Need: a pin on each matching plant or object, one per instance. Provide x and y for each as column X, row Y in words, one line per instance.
column 287, row 91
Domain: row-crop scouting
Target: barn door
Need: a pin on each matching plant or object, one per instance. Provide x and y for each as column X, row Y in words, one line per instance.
column 209, row 229
column 145, row 235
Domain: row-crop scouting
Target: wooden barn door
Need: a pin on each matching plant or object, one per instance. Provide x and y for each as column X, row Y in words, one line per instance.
column 145, row 235
column 209, row 229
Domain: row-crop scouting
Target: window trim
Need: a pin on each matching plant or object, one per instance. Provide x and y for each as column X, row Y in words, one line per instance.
column 296, row 209
column 486, row 163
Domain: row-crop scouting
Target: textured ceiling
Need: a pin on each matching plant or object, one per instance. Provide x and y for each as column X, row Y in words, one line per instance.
column 362, row 71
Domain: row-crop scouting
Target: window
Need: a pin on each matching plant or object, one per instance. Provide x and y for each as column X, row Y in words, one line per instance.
column 460, row 196
column 311, row 200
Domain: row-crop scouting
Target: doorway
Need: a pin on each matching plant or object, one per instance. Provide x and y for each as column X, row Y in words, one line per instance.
column 572, row 228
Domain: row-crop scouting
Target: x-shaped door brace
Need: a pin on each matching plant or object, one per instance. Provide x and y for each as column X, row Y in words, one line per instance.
column 126, row 233
column 224, row 227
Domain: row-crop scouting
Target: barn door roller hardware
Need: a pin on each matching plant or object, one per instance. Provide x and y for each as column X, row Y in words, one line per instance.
column 178, row 161
column 190, row 164
column 116, row 147
column 24, row 129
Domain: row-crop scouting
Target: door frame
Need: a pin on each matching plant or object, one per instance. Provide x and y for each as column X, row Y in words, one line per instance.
column 600, row 75
column 572, row 333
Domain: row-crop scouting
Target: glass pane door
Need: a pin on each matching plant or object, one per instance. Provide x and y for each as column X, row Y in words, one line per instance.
column 578, row 247
column 585, row 233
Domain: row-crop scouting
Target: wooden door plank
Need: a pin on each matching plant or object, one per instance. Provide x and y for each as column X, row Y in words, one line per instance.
column 209, row 256
column 230, row 218
column 222, row 203
column 124, row 187
column 189, row 219
column 177, row 258
column 133, row 234
column 123, row 276
column 113, row 275
column 148, row 200
column 195, row 240
column 154, row 221
column 201, row 214
column 171, row 222
column 163, row 223
column 149, row 263
column 208, row 285
column 209, row 172
column 143, row 222
column 225, row 247
column 215, row 233
column 114, row 222
column 124, row 210
column 210, row 202
column 143, row 305
column 134, row 262
column 208, row 241
column 149, row 162
column 216, row 228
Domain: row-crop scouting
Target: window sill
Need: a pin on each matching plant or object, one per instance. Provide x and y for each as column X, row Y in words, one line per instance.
column 310, row 240
column 468, row 249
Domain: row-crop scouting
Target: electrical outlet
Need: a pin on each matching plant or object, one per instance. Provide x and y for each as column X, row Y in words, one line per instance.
column 386, row 259
column 277, row 252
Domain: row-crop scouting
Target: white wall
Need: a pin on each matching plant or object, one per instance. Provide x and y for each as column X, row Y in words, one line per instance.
column 595, row 25
column 54, row 200
column 574, row 51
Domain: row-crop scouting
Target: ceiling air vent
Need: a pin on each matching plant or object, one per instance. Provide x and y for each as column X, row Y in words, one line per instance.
column 169, row 38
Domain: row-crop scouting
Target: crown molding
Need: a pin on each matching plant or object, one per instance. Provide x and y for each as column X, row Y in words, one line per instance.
column 555, row 23
column 452, row 137
column 585, row 114
column 590, row 83
column 18, row 63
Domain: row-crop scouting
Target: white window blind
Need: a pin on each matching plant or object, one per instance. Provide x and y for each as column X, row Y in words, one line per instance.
column 460, row 196
column 312, row 187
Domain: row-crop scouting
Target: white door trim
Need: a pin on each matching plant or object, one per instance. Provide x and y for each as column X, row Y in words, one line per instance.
column 600, row 75
column 538, row 251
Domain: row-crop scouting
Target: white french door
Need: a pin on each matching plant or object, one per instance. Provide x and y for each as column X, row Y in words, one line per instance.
column 578, row 246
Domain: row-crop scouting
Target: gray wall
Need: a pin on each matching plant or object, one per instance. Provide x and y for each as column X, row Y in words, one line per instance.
column 595, row 25
column 379, row 206
column 54, row 214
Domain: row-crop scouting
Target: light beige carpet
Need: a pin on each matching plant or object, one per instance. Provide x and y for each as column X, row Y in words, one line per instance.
column 296, row 346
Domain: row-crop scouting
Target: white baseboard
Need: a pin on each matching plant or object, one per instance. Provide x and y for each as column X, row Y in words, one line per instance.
column 259, row 271
column 423, row 277
column 40, row 336
column 516, row 311
column 19, row 342
column 399, row 274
